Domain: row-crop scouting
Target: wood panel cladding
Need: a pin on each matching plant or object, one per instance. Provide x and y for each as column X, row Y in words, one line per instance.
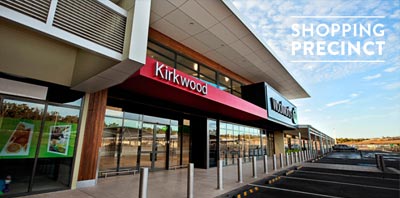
column 182, row 49
column 93, row 134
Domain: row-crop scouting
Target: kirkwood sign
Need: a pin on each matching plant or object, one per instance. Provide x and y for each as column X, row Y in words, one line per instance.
column 170, row 74
column 280, row 109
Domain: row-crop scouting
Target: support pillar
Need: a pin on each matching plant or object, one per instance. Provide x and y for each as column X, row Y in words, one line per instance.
column 279, row 142
column 93, row 134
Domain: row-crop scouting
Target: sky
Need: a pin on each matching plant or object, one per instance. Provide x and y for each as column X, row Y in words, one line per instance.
column 353, row 96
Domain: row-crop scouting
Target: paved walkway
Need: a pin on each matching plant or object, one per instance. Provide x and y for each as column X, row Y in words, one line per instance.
column 170, row 183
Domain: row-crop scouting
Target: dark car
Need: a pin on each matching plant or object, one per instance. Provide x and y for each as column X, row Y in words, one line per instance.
column 343, row 147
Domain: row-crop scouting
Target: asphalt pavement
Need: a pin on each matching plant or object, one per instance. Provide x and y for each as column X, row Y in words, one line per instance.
column 339, row 174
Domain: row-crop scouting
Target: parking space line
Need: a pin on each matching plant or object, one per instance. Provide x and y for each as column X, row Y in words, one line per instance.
column 295, row 191
column 333, row 182
column 324, row 173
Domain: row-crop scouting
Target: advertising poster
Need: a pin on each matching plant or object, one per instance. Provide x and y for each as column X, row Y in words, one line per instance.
column 19, row 142
column 59, row 139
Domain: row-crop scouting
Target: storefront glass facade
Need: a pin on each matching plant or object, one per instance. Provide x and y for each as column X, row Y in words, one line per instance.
column 131, row 141
column 37, row 143
column 237, row 141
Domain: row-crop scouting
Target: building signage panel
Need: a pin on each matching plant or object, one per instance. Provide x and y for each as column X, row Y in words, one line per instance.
column 170, row 74
column 280, row 109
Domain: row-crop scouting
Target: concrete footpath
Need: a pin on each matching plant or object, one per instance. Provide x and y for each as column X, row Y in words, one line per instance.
column 172, row 183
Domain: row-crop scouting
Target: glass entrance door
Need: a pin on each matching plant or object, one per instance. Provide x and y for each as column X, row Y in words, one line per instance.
column 154, row 146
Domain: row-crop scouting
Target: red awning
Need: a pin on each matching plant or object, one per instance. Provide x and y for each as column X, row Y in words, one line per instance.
column 167, row 85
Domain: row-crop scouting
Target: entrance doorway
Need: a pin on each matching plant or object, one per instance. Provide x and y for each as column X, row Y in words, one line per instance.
column 131, row 141
column 154, row 145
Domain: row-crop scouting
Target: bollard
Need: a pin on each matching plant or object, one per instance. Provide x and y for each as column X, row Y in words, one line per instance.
column 378, row 164
column 292, row 157
column 382, row 163
column 297, row 157
column 299, row 154
column 254, row 167
column 240, row 170
column 144, row 173
column 274, row 161
column 190, row 180
column 266, row 164
column 287, row 159
column 281, row 160
column 219, row 175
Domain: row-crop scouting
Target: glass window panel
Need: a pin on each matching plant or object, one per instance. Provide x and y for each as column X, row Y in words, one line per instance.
column 161, row 50
column 186, row 70
column 75, row 103
column 224, row 82
column 174, row 122
column 236, row 86
column 212, row 132
column 208, row 81
column 129, row 145
column 185, row 144
column 109, row 145
column 160, row 57
column 59, row 132
column 222, row 125
column 154, row 119
column 188, row 63
column 20, row 124
column 211, row 74
column 132, row 116
column 115, row 112
column 174, row 147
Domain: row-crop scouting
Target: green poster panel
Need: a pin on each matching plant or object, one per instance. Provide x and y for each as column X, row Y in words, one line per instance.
column 18, row 138
column 58, row 140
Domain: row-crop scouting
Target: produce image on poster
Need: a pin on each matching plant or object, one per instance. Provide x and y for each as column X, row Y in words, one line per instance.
column 19, row 142
column 59, row 139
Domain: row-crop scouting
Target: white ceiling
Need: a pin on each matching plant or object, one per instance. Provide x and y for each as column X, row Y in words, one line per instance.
column 212, row 29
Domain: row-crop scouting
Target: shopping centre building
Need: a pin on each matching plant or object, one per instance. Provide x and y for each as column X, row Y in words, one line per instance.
column 95, row 87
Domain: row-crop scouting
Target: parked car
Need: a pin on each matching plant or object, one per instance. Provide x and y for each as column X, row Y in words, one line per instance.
column 343, row 147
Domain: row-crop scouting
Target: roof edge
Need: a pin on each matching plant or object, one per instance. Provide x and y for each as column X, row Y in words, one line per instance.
column 246, row 24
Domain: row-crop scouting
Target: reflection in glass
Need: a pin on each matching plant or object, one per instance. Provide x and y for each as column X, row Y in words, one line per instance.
column 186, row 70
column 212, row 132
column 53, row 169
column 20, row 124
column 109, row 145
column 129, row 144
column 174, row 147
column 239, row 141
column 160, row 57
column 160, row 146
column 165, row 52
column 185, row 145
column 146, row 145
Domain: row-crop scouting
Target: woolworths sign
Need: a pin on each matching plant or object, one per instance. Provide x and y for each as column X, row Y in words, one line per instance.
column 280, row 109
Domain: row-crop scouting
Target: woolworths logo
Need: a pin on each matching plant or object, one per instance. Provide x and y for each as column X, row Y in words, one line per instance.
column 169, row 74
column 287, row 111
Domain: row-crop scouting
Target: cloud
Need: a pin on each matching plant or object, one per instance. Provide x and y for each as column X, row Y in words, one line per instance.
column 353, row 95
column 392, row 69
column 392, row 86
column 372, row 77
column 338, row 103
